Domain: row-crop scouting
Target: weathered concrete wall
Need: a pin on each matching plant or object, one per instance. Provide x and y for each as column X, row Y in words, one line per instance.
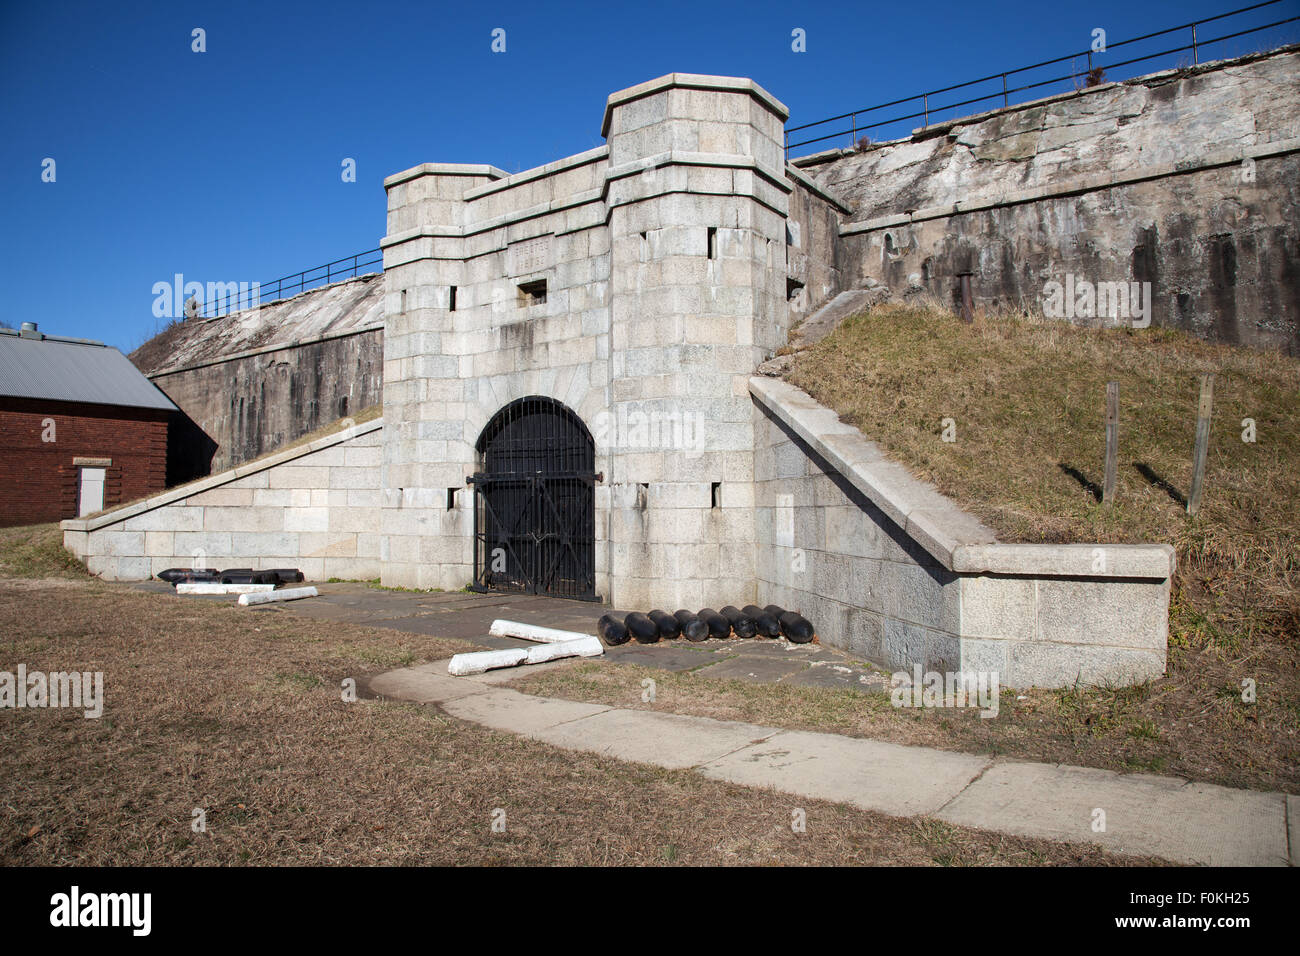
column 889, row 570
column 1187, row 180
column 249, row 406
column 1165, row 119
column 812, row 246
column 253, row 381
column 1226, row 267
column 315, row 508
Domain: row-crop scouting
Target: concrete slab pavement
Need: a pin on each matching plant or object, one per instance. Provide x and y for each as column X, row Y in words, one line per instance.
column 871, row 774
column 667, row 656
column 1163, row 816
column 664, row 740
column 423, row 684
column 459, row 615
column 1293, row 828
column 503, row 709
column 753, row 668
column 467, row 616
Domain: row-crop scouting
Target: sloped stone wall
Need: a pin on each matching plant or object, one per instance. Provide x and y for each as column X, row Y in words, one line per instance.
column 315, row 508
column 253, row 381
column 1188, row 180
column 889, row 570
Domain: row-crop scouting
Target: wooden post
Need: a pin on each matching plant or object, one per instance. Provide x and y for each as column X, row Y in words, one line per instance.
column 1112, row 443
column 1203, row 409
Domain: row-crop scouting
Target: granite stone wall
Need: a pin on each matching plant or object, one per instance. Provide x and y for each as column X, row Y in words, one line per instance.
column 663, row 255
column 315, row 508
column 890, row 571
column 640, row 284
column 1186, row 179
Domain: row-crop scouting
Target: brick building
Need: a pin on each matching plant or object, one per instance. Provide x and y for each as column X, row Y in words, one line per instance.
column 80, row 428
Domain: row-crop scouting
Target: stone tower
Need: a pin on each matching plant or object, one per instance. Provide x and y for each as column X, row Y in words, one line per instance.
column 636, row 285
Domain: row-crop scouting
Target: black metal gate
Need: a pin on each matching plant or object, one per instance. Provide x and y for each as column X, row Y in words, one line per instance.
column 534, row 502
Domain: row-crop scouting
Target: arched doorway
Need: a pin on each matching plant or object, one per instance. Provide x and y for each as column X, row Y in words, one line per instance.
column 534, row 502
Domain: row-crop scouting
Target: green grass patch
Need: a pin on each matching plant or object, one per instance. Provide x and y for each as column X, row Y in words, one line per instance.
column 36, row 551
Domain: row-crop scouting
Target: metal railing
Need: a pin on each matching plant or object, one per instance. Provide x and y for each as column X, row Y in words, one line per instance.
column 859, row 127
column 265, row 293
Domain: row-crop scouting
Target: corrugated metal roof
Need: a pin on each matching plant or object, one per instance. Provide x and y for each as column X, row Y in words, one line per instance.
column 69, row 371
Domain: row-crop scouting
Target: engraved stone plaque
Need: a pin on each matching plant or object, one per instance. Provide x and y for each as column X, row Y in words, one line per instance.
column 529, row 256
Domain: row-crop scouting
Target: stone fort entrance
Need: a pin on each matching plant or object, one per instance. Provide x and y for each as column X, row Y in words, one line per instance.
column 540, row 329
column 534, row 502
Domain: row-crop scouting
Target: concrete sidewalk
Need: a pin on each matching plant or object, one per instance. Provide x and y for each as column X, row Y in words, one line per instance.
column 1186, row 822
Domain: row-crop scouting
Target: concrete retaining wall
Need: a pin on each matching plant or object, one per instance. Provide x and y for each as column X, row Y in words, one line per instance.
column 889, row 569
column 316, row 508
column 257, row 403
column 812, row 246
column 253, row 381
column 1189, row 180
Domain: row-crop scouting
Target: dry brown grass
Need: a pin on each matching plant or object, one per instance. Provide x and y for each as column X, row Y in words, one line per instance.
column 1028, row 400
column 1125, row 730
column 36, row 552
column 239, row 713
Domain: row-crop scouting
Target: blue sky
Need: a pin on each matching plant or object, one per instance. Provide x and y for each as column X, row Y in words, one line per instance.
column 225, row 165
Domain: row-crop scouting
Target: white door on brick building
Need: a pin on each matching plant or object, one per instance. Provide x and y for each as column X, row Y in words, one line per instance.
column 90, row 494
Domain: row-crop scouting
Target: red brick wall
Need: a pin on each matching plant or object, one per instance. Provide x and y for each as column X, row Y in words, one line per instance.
column 38, row 481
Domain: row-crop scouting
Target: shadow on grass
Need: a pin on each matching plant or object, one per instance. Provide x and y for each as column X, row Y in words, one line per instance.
column 1147, row 472
column 1089, row 486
